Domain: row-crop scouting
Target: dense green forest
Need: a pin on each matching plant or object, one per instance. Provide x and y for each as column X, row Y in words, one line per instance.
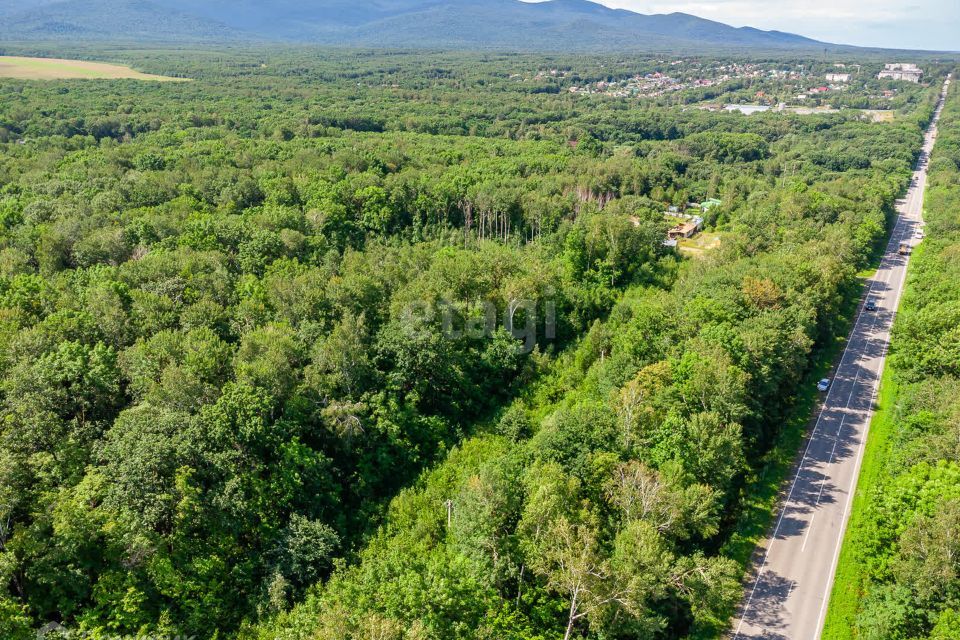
column 251, row 387
column 903, row 576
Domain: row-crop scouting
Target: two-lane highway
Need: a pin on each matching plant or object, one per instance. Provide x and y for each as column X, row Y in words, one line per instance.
column 787, row 595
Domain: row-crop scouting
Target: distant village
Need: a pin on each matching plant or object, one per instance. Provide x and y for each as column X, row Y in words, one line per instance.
column 810, row 86
column 688, row 77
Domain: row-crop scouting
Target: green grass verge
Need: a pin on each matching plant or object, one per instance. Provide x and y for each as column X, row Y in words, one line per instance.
column 851, row 571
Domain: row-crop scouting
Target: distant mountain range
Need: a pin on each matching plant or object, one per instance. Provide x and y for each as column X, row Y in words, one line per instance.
column 464, row 24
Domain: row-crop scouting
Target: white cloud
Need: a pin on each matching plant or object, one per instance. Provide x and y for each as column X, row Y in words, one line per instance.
column 929, row 24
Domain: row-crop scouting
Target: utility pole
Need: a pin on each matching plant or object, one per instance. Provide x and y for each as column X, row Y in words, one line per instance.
column 449, row 505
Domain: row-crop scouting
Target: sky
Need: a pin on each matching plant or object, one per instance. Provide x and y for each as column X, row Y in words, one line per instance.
column 910, row 24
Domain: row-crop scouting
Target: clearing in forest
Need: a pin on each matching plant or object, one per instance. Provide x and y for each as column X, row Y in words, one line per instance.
column 25, row 68
column 700, row 244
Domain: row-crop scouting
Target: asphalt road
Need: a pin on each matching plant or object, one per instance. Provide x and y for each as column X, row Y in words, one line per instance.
column 790, row 586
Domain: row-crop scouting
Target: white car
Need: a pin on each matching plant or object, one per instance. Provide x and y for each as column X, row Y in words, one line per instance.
column 823, row 385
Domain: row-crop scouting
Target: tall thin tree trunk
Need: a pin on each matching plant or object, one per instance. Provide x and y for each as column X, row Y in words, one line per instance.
column 572, row 616
column 520, row 584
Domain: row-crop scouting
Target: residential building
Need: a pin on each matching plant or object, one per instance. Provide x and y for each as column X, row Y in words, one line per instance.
column 688, row 226
column 683, row 230
column 906, row 71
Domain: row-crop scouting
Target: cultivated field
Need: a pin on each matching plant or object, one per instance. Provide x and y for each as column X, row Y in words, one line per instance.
column 59, row 69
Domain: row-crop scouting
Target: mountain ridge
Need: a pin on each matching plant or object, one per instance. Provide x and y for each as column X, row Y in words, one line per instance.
column 502, row 24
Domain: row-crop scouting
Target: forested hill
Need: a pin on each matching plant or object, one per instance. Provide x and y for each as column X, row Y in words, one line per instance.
column 504, row 24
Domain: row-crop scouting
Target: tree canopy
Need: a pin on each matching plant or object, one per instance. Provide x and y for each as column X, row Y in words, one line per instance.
column 288, row 351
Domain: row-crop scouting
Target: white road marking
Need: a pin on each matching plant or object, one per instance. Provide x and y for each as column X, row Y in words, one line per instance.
column 804, row 546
